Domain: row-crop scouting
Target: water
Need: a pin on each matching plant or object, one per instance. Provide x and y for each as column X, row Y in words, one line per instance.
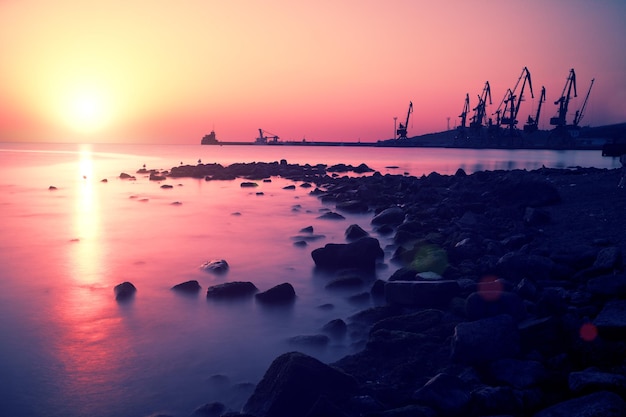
column 69, row 349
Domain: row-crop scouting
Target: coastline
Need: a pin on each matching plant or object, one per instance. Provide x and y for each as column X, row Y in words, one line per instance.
column 544, row 246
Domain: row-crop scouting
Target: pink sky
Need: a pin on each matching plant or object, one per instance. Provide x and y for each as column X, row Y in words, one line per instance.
column 169, row 72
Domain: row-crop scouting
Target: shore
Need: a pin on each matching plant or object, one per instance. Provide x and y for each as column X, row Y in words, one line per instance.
column 508, row 298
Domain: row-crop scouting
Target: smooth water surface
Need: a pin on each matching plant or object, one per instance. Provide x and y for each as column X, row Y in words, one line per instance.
column 70, row 349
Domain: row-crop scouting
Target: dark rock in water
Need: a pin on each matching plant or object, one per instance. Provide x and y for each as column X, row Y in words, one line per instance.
column 300, row 243
column 319, row 340
column 293, row 384
column 215, row 409
column 361, row 254
column 447, row 394
column 124, row 291
column 331, row 216
column 126, row 176
column 352, row 206
column 421, row 293
column 52, row 188
column 218, row 266
column 391, row 216
column 485, row 340
column 518, row 373
column 352, row 281
column 188, row 286
column 308, row 229
column 404, row 274
column 611, row 321
column 289, row 187
column 591, row 380
column 167, row 186
column 280, row 294
column 156, row 177
column 598, row 404
column 354, row 232
column 235, row 289
column 337, row 328
column 247, row 184
column 484, row 304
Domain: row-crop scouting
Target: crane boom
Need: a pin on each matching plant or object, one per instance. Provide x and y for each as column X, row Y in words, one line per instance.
column 509, row 99
column 532, row 125
column 463, row 114
column 563, row 101
column 580, row 113
column 479, row 110
column 403, row 127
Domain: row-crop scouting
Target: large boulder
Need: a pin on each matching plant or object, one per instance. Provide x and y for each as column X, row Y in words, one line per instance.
column 598, row 404
column 483, row 341
column 217, row 266
column 391, row 216
column 611, row 321
column 235, row 289
column 187, row 287
column 421, row 293
column 294, row 383
column 361, row 254
column 279, row 294
column 124, row 291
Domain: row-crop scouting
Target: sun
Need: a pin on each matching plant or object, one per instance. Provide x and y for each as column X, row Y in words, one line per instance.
column 86, row 109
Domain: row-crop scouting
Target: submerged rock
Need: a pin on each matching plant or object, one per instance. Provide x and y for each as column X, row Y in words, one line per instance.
column 361, row 254
column 235, row 289
column 124, row 291
column 189, row 286
column 218, row 266
column 280, row 294
column 294, row 383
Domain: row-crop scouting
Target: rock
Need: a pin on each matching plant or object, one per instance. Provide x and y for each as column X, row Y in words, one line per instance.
column 124, row 291
column 523, row 192
column 289, row 187
column 280, row 294
column 486, row 340
column 188, row 286
column 491, row 401
column 167, row 186
column 391, row 216
column 361, row 254
column 415, row 322
column 331, row 216
column 536, row 217
column 608, row 259
column 337, row 328
column 293, row 384
column 228, row 290
column 248, row 184
column 446, row 394
column 218, row 266
column 608, row 285
column 308, row 229
column 611, row 321
column 351, row 281
column 429, row 258
column 52, row 188
column 517, row 265
column 421, row 293
column 484, row 304
column 215, row 409
column 126, row 176
column 591, row 380
column 156, row 177
column 518, row 373
column 598, row 404
column 404, row 274
column 352, row 206
column 428, row 276
column 354, row 232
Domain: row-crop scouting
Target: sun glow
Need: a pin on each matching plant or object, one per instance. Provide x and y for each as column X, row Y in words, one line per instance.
column 86, row 110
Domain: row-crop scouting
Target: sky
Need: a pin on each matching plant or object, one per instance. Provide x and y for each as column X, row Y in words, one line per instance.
column 170, row 72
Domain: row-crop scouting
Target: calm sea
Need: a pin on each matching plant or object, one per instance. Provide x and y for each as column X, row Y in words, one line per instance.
column 69, row 349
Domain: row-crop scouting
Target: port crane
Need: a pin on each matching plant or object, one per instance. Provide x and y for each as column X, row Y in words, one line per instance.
column 479, row 110
column 401, row 132
column 511, row 108
column 563, row 101
column 580, row 113
column 532, row 125
column 463, row 114
column 266, row 137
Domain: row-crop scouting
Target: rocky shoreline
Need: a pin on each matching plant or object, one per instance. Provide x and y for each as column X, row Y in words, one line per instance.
column 508, row 298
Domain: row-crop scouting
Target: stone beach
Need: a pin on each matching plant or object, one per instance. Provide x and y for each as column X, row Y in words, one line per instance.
column 508, row 296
